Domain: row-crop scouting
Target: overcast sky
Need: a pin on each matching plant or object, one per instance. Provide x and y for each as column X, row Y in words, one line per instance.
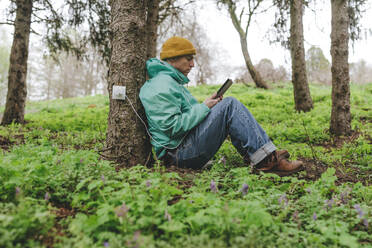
column 317, row 30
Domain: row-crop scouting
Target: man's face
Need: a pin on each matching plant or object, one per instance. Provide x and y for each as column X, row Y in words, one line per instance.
column 184, row 64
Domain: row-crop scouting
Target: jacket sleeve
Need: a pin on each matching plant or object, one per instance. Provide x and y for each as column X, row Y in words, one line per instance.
column 165, row 110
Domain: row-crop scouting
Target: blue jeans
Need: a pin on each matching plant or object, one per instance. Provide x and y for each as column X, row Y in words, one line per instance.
column 228, row 117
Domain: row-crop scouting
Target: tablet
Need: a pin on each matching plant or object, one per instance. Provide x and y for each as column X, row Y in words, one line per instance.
column 224, row 87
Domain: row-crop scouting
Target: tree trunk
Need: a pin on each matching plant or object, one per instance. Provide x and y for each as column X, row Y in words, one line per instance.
column 17, row 88
column 152, row 27
column 260, row 83
column 127, row 142
column 244, row 45
column 302, row 98
column 340, row 117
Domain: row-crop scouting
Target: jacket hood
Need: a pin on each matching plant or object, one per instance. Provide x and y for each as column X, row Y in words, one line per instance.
column 155, row 66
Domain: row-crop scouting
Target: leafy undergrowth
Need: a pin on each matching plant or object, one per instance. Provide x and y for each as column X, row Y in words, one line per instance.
column 55, row 191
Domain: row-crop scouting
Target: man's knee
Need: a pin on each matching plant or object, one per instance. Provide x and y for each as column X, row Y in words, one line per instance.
column 230, row 101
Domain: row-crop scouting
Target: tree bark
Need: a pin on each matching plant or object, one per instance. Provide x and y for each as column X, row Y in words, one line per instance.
column 152, row 27
column 302, row 97
column 17, row 88
column 126, row 142
column 340, row 116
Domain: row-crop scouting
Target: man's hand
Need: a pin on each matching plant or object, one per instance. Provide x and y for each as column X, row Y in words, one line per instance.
column 213, row 100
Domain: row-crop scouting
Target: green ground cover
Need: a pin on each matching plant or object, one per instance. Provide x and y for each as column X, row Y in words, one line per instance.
column 55, row 191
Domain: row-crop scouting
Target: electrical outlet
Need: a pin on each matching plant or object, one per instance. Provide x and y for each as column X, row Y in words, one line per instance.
column 118, row 92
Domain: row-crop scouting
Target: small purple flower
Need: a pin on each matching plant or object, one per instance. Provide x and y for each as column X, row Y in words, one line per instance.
column 46, row 196
column 314, row 216
column 283, row 200
column 58, row 162
column 295, row 215
column 148, row 183
column 365, row 222
column 134, row 242
column 361, row 214
column 106, row 244
column 103, row 178
column 122, row 210
column 18, row 191
column 213, row 187
column 359, row 210
column 167, row 216
column 136, row 235
column 244, row 189
column 343, row 197
column 329, row 203
column 308, row 190
column 81, row 161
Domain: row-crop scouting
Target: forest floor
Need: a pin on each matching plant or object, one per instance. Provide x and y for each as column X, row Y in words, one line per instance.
column 56, row 191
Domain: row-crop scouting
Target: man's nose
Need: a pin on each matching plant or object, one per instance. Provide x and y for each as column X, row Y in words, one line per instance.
column 192, row 63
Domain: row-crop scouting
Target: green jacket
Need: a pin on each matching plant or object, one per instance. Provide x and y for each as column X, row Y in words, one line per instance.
column 170, row 108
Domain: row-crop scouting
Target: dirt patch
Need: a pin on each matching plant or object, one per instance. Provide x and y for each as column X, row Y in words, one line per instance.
column 58, row 230
column 63, row 212
column 6, row 143
column 187, row 175
column 338, row 142
column 365, row 119
column 314, row 170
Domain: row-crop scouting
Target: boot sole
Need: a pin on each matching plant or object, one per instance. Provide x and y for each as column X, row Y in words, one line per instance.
column 286, row 173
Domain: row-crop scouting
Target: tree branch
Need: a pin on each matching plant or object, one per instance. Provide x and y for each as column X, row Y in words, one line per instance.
column 7, row 23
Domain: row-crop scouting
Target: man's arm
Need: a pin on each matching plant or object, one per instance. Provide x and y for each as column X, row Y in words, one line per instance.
column 164, row 110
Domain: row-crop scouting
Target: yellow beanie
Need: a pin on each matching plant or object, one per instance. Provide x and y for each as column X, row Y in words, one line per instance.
column 176, row 46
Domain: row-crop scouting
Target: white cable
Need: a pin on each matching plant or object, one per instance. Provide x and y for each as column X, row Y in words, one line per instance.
column 148, row 130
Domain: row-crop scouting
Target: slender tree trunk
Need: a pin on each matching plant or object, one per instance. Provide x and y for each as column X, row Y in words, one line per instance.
column 126, row 141
column 260, row 83
column 152, row 27
column 302, row 97
column 244, row 45
column 340, row 117
column 17, row 88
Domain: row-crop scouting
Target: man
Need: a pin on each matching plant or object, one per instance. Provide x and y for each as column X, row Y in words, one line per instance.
column 187, row 133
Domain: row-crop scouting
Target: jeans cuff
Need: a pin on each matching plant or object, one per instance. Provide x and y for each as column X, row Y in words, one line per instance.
column 262, row 153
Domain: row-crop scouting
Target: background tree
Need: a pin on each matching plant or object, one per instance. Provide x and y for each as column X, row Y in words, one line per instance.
column 340, row 116
column 360, row 72
column 187, row 25
column 293, row 10
column 346, row 15
column 95, row 13
column 4, row 65
column 317, row 65
column 301, row 91
column 267, row 70
column 252, row 6
column 158, row 12
column 17, row 90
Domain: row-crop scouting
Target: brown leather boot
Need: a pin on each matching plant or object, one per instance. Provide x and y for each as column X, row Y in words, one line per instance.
column 281, row 154
column 277, row 163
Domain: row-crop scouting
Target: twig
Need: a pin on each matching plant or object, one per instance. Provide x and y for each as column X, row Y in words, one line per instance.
column 7, row 23
column 309, row 143
column 148, row 158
